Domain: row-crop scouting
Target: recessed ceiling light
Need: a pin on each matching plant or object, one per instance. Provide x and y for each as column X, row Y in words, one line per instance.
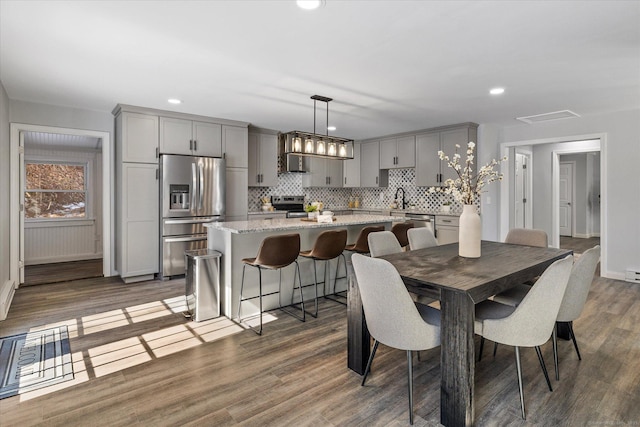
column 331, row 128
column 497, row 91
column 309, row 4
column 174, row 101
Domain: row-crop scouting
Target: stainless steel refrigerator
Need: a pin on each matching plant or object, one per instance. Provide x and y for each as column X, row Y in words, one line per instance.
column 193, row 194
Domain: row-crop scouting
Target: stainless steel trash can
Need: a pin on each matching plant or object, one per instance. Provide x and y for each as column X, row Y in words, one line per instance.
column 203, row 283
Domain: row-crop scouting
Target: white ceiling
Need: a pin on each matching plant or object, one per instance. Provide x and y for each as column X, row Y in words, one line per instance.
column 391, row 66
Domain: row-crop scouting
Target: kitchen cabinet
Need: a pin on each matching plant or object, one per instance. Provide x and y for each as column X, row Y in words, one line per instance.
column 234, row 146
column 447, row 228
column 236, row 197
column 430, row 170
column 137, row 137
column 180, row 136
column 351, row 169
column 263, row 160
column 370, row 173
column 323, row 173
column 137, row 216
column 267, row 215
column 398, row 152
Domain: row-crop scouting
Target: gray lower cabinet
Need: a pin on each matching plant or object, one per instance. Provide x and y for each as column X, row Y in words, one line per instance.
column 447, row 228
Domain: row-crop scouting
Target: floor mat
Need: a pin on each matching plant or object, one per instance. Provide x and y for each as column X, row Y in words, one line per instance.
column 34, row 360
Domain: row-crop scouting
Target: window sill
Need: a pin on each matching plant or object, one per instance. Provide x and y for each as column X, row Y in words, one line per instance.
column 49, row 223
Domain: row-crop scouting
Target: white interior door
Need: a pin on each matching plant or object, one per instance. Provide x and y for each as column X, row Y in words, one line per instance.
column 520, row 198
column 566, row 199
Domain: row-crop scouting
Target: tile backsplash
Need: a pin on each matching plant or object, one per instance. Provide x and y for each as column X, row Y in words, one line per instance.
column 291, row 184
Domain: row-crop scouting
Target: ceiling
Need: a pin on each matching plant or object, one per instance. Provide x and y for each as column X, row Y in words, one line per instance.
column 390, row 66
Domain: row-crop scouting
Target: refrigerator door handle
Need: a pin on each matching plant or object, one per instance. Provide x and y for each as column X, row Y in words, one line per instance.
column 194, row 188
column 184, row 239
column 201, row 186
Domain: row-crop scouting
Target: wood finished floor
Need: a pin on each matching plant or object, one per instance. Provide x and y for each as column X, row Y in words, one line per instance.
column 139, row 362
column 578, row 245
column 41, row 274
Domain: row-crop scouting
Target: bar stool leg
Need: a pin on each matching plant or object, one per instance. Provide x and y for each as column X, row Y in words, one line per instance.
column 283, row 308
column 334, row 295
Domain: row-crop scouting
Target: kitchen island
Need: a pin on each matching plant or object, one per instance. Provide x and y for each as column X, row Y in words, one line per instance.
column 241, row 239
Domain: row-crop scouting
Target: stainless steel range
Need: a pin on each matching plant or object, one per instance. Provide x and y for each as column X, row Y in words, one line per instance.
column 294, row 205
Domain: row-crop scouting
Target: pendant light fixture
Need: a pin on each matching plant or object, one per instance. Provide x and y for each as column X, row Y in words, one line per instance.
column 313, row 144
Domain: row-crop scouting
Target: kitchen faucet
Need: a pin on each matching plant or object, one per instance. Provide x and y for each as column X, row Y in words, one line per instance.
column 404, row 203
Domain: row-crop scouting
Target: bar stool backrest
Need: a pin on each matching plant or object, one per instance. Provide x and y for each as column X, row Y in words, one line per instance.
column 362, row 242
column 329, row 244
column 278, row 251
column 400, row 230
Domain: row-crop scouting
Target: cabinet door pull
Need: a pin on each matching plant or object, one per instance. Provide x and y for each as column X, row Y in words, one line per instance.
column 345, row 180
column 191, row 144
column 376, row 179
column 157, row 152
column 195, row 145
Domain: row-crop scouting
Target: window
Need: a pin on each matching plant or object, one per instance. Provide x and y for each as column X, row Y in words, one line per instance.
column 55, row 190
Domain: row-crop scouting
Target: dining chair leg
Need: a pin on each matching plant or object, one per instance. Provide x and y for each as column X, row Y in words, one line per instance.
column 368, row 368
column 481, row 349
column 544, row 367
column 519, row 368
column 410, row 375
column 495, row 348
column 573, row 337
column 554, row 337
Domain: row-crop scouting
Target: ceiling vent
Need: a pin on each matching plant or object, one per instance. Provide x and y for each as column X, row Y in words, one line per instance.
column 556, row 115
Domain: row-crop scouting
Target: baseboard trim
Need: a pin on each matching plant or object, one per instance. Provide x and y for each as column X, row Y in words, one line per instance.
column 6, row 296
column 613, row 275
column 586, row 236
column 66, row 258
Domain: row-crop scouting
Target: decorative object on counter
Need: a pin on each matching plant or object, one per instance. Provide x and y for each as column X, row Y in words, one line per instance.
column 312, row 211
column 446, row 206
column 466, row 189
column 313, row 144
column 356, row 203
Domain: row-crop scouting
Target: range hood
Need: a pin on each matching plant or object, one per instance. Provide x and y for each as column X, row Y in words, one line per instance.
column 287, row 162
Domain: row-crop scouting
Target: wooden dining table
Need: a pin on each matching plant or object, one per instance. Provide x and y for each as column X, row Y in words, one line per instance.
column 459, row 283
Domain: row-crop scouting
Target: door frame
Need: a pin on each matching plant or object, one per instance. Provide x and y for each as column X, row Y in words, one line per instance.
column 15, row 243
column 574, row 144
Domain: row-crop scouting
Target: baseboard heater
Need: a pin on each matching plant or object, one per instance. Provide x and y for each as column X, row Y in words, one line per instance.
column 632, row 276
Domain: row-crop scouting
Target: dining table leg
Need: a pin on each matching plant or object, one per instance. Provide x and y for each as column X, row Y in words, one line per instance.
column 358, row 336
column 457, row 359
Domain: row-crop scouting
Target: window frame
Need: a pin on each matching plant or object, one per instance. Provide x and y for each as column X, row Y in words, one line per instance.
column 88, row 208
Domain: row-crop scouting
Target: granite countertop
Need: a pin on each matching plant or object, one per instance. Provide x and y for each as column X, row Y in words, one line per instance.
column 418, row 211
column 282, row 224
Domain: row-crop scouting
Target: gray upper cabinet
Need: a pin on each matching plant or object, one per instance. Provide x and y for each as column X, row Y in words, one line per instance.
column 370, row 173
column 137, row 137
column 263, row 160
column 351, row 169
column 234, row 146
column 398, row 152
column 323, row 173
column 180, row 136
column 430, row 170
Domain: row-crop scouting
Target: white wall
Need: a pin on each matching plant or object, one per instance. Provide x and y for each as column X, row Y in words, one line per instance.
column 6, row 287
column 620, row 160
column 488, row 149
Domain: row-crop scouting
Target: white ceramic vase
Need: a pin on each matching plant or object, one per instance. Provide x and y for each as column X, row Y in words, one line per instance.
column 470, row 233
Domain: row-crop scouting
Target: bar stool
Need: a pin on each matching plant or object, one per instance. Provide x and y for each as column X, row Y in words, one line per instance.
column 329, row 245
column 361, row 245
column 275, row 253
column 400, row 230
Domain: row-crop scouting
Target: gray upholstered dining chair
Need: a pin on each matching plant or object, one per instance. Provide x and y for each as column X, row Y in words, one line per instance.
column 531, row 323
column 575, row 296
column 421, row 237
column 573, row 301
column 392, row 317
column 527, row 237
column 385, row 243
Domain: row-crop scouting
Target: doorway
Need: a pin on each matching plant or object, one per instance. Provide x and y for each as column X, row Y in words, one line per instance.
column 565, row 201
column 546, row 157
column 61, row 189
column 104, row 164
